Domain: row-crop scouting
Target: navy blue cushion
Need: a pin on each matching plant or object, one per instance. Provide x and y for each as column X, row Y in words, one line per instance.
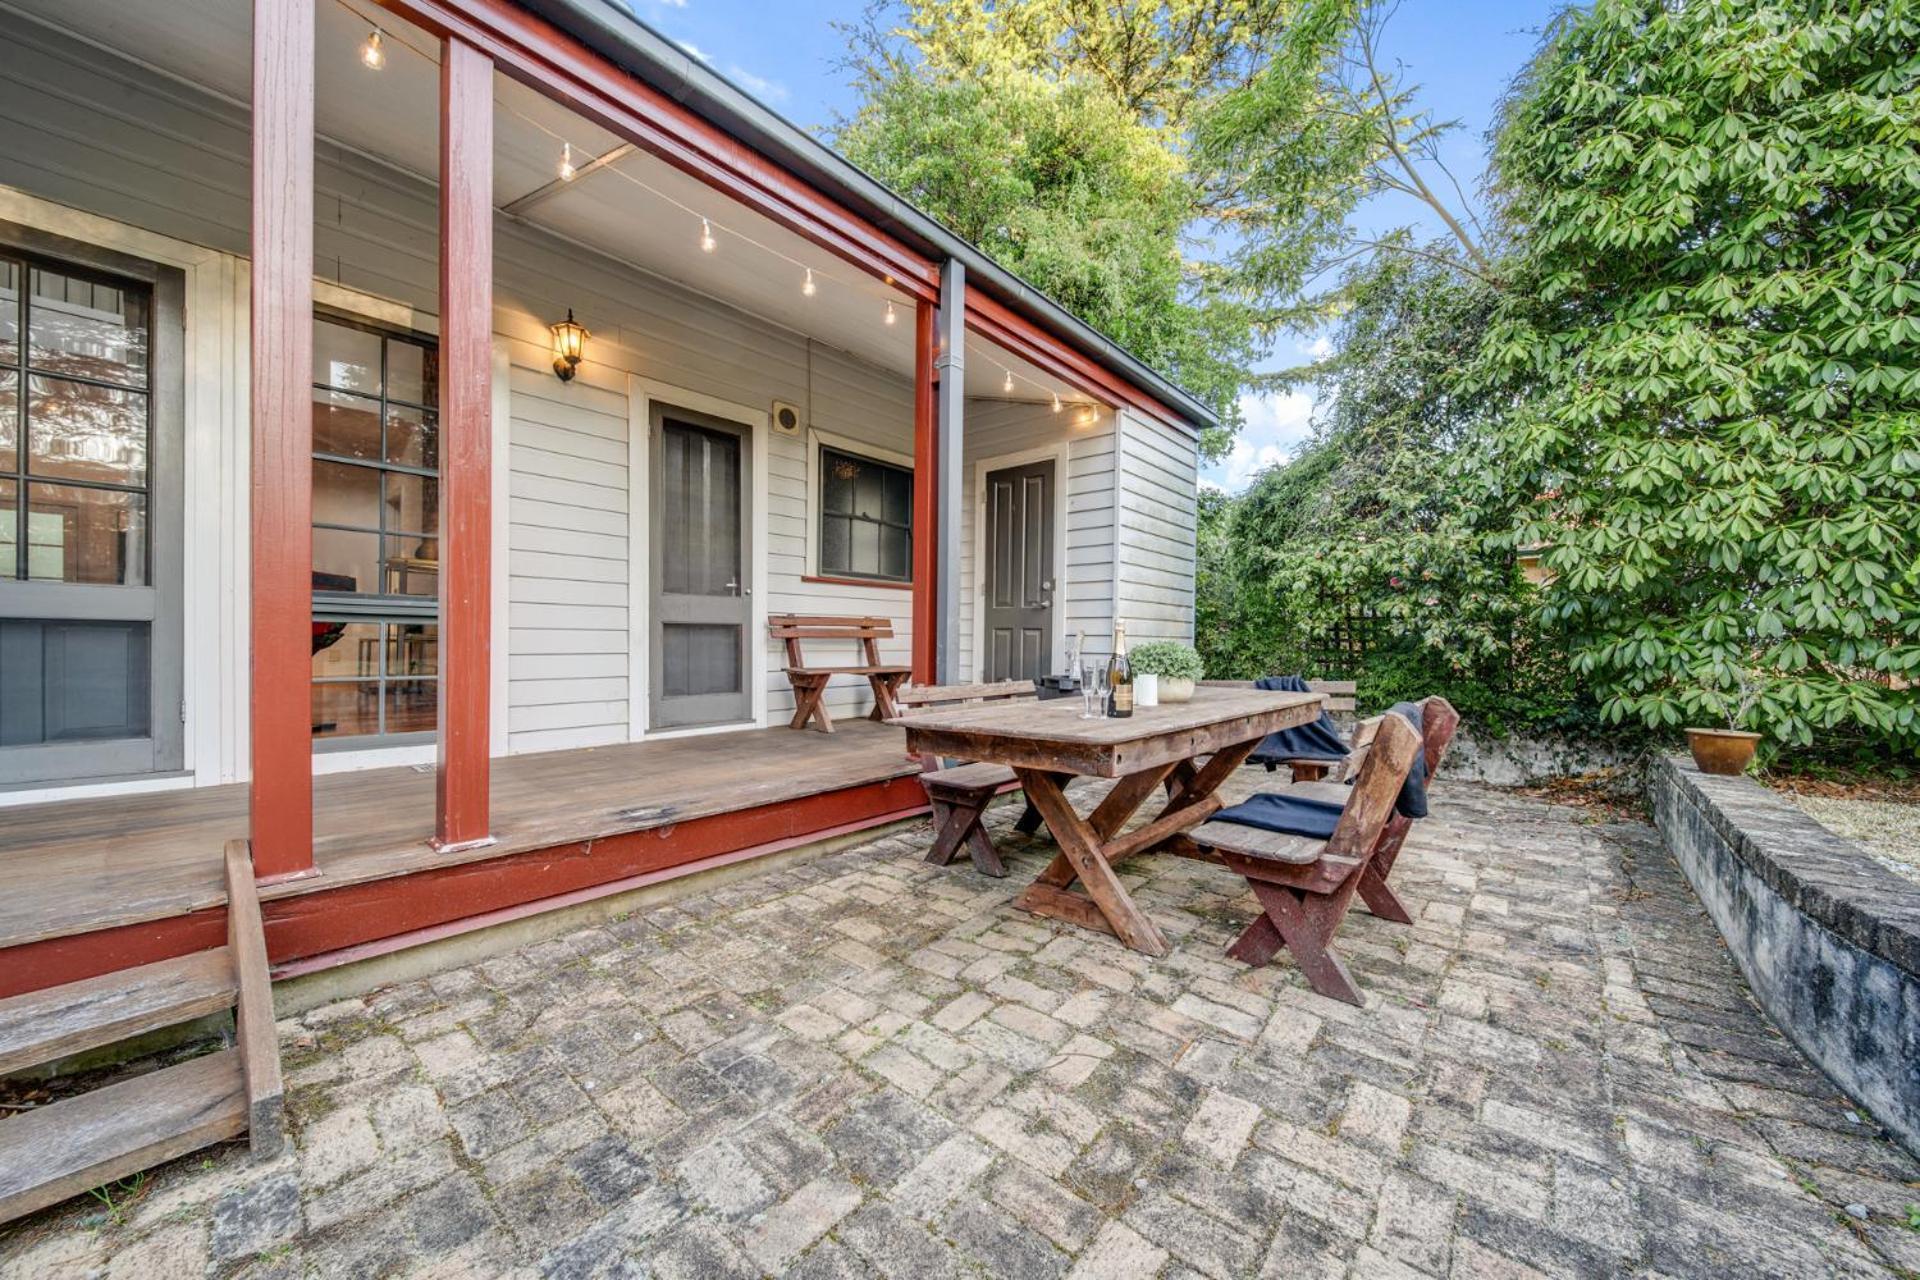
column 1292, row 815
column 1412, row 801
column 1319, row 740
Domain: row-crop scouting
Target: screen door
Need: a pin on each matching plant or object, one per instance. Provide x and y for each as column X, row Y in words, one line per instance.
column 701, row 595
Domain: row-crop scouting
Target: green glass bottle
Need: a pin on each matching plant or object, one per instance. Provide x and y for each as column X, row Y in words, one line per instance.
column 1119, row 675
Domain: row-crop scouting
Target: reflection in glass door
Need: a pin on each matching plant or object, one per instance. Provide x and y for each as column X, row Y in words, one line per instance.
column 89, row 658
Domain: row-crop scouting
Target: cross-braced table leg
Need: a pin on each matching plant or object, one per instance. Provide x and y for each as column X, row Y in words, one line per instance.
column 1107, row 905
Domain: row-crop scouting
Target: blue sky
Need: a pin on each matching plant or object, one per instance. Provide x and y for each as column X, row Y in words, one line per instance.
column 1462, row 53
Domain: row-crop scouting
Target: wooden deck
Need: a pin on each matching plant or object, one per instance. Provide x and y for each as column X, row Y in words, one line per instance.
column 105, row 864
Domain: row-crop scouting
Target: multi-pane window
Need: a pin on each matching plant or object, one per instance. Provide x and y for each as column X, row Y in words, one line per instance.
column 866, row 517
column 74, row 425
column 376, row 530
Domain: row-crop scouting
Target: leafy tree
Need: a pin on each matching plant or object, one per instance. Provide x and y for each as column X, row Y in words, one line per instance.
column 1059, row 134
column 1712, row 347
column 1059, row 182
column 1324, row 125
column 1375, row 519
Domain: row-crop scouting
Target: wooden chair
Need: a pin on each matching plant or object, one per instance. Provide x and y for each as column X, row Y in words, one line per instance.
column 960, row 793
column 1305, row 885
column 810, row 682
column 1438, row 722
column 1340, row 701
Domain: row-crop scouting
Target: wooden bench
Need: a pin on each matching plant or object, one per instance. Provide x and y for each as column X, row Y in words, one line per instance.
column 1305, row 885
column 960, row 793
column 1340, row 701
column 810, row 682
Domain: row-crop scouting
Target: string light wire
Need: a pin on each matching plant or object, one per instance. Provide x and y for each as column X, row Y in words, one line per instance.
column 708, row 240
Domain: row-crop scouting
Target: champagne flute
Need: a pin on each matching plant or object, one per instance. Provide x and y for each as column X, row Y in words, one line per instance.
column 1093, row 688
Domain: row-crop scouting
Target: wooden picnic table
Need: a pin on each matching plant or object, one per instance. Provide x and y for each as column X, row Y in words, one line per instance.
column 1047, row 743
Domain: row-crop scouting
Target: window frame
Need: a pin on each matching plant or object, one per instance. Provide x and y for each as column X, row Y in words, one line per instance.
column 821, row 444
column 380, row 609
column 160, row 603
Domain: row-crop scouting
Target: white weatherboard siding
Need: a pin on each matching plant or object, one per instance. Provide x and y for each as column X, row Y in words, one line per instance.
column 1158, row 479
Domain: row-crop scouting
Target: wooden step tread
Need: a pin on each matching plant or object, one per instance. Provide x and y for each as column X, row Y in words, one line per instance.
column 44, row 1026
column 72, row 1146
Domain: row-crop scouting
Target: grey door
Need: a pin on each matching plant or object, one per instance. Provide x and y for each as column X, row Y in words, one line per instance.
column 90, row 512
column 1018, row 591
column 701, row 595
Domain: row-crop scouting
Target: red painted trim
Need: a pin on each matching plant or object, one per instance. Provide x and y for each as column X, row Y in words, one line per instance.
column 466, row 441
column 856, row 582
column 926, row 481
column 322, row 920
column 281, row 605
column 553, row 63
column 999, row 324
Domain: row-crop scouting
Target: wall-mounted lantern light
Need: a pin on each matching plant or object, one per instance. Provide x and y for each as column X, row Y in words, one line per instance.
column 569, row 344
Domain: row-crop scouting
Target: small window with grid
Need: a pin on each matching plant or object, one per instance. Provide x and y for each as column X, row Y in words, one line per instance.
column 866, row 517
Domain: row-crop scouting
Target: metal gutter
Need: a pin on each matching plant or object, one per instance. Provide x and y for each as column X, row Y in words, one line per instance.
column 606, row 27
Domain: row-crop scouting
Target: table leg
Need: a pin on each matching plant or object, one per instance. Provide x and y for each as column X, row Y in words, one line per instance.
column 1107, row 817
column 1080, row 845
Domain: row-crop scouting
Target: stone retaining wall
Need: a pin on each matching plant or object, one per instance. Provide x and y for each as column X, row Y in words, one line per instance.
column 1828, row 939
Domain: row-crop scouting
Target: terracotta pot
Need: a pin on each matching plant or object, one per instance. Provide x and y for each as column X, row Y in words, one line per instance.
column 1176, row 689
column 1724, row 751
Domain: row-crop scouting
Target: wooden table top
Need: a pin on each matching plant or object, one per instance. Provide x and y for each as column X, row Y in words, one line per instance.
column 1053, row 735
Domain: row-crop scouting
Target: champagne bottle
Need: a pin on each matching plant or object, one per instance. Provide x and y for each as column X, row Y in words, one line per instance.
column 1119, row 675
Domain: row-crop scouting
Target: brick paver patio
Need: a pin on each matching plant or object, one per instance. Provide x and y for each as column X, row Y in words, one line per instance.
column 868, row 1066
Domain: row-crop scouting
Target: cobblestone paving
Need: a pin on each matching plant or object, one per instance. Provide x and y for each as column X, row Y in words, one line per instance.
column 867, row 1066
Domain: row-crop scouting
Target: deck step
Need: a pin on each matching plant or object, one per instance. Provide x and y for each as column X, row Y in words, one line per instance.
column 45, row 1026
column 72, row 1146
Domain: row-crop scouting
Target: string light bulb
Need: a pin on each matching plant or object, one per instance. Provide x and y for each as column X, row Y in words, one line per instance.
column 807, row 286
column 1007, row 385
column 891, row 318
column 373, row 54
column 566, row 162
column 707, row 241
column 1056, row 402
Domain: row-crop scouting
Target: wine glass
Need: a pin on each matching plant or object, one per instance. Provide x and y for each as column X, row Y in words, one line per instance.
column 1093, row 688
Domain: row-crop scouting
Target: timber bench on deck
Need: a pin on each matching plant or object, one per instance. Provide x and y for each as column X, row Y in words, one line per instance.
column 810, row 682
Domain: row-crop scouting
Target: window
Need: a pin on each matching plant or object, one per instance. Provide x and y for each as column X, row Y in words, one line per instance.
column 376, row 527
column 866, row 517
column 74, row 433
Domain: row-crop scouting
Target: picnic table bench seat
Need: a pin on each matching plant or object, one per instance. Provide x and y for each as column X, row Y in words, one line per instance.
column 1305, row 885
column 809, row 680
column 960, row 793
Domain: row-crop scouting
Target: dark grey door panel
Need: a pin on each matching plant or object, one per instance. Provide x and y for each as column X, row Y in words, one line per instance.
column 1017, row 589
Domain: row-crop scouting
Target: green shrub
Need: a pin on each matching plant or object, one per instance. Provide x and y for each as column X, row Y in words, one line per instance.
column 1168, row 659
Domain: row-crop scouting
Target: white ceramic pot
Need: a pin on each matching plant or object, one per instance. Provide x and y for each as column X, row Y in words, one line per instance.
column 1176, row 690
column 1146, row 690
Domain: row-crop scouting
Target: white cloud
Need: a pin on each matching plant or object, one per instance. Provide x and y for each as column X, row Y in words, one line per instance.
column 759, row 86
column 695, row 50
column 1275, row 427
column 1320, row 348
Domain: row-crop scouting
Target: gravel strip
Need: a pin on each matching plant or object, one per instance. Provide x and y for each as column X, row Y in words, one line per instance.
column 1889, row 830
